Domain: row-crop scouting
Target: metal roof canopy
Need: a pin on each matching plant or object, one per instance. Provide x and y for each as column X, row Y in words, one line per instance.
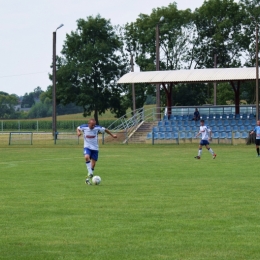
column 190, row 76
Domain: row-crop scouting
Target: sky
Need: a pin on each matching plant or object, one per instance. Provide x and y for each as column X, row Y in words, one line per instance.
column 26, row 30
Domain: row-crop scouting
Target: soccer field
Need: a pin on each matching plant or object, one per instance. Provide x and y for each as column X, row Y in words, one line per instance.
column 154, row 202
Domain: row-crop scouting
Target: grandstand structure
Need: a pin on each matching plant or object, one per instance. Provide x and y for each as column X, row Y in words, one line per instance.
column 230, row 124
column 180, row 127
column 167, row 79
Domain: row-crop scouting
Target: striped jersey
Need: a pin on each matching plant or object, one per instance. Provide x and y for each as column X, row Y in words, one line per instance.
column 91, row 136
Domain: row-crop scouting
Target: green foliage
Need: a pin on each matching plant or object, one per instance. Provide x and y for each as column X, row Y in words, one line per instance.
column 219, row 31
column 7, row 105
column 28, row 100
column 90, row 66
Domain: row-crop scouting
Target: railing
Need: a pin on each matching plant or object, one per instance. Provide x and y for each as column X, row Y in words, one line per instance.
column 209, row 109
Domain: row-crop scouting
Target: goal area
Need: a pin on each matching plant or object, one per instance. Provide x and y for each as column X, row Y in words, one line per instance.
column 20, row 138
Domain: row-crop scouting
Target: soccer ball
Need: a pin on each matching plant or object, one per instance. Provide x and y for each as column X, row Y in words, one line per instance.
column 96, row 180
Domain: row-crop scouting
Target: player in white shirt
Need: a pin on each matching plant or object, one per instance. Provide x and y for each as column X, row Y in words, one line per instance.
column 90, row 133
column 205, row 137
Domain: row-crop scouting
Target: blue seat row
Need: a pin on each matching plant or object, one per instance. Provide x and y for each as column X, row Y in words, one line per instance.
column 232, row 122
column 190, row 135
column 196, row 128
column 210, row 116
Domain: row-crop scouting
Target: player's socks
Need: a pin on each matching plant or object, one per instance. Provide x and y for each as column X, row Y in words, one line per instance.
column 211, row 151
column 200, row 152
column 257, row 150
column 88, row 164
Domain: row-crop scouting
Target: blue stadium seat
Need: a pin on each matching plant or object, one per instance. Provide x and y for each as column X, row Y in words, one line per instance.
column 244, row 116
column 224, row 116
column 237, row 135
column 181, row 128
column 241, row 128
column 220, row 123
column 168, row 128
column 190, row 135
column 226, row 122
column 251, row 116
column 223, row 135
column 235, row 128
column 214, row 128
column 172, row 117
column 212, row 123
column 247, row 122
column 244, row 135
column 179, row 123
column 182, row 135
column 161, row 129
column 155, row 129
column 165, row 117
column 240, row 122
column 168, row 135
column 194, row 128
column 229, row 135
column 221, row 128
column 175, row 129
column 149, row 135
column 192, row 123
column 173, row 123
column 161, row 135
column 190, row 117
column 185, row 123
column 155, row 135
column 237, row 116
column 230, row 116
column 233, row 122
column 217, row 116
column 215, row 135
column 188, row 128
column 228, row 128
column 211, row 116
column 161, row 123
column 167, row 123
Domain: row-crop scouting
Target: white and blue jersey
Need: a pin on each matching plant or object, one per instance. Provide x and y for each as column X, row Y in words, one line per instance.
column 257, row 132
column 204, row 131
column 91, row 136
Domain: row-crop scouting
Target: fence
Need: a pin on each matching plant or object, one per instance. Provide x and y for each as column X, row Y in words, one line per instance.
column 44, row 125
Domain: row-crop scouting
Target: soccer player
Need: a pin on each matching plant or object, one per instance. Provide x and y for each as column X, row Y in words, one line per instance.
column 90, row 133
column 205, row 137
column 257, row 136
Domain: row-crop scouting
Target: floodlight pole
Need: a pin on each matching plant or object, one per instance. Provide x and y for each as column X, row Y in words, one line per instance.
column 54, row 114
column 257, row 76
column 158, row 101
column 54, row 119
column 133, row 85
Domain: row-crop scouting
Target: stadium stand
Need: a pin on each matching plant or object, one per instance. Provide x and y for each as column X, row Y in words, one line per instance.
column 224, row 127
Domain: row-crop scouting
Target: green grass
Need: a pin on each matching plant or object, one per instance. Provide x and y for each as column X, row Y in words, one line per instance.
column 154, row 202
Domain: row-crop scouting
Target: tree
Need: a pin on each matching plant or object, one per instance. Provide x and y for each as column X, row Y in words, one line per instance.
column 90, row 65
column 28, row 100
column 177, row 34
column 219, row 31
column 7, row 105
column 37, row 92
column 250, row 21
